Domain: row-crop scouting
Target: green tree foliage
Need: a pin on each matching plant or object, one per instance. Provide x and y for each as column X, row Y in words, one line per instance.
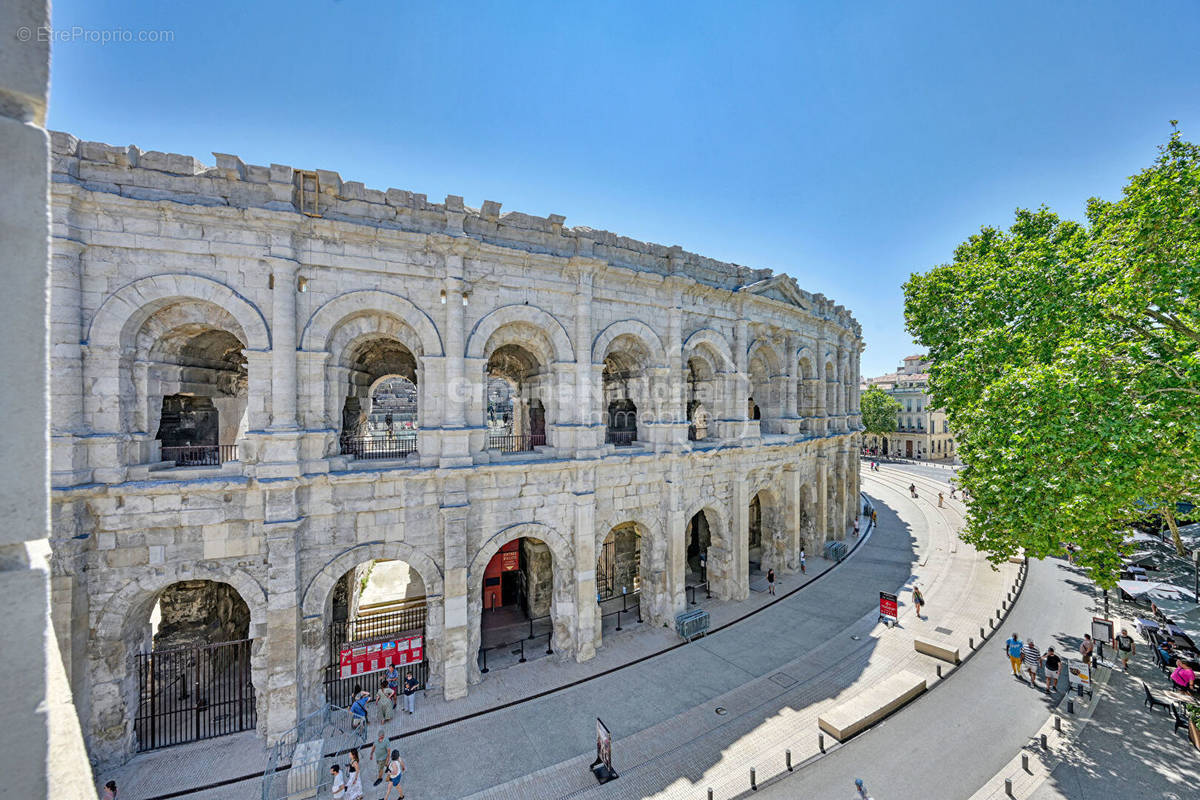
column 1067, row 357
column 879, row 411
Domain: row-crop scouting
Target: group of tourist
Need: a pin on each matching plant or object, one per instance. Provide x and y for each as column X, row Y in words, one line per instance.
column 1026, row 654
column 390, row 766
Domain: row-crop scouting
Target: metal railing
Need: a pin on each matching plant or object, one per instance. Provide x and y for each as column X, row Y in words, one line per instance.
column 365, row 628
column 520, row 643
column 624, row 609
column 200, row 455
column 379, row 446
column 620, row 438
column 515, row 443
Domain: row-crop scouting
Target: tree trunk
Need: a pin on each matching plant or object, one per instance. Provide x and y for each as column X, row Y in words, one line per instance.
column 1169, row 516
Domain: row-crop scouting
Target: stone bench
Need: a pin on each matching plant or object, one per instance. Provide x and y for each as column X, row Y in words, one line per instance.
column 864, row 710
column 938, row 650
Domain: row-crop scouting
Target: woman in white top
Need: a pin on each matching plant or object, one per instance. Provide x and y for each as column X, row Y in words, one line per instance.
column 354, row 790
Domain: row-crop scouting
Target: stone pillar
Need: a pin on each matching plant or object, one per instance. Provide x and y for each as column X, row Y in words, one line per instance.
column 458, row 662
column 674, row 599
column 41, row 748
column 792, row 511
column 68, row 460
column 734, row 426
column 790, row 399
column 739, row 546
column 587, row 623
column 455, row 436
column 821, row 526
column 283, row 344
column 281, row 637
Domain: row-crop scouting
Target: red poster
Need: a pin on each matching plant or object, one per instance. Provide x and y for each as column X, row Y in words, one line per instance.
column 510, row 561
column 362, row 659
column 888, row 606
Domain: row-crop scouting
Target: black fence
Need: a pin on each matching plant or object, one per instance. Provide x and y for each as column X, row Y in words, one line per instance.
column 513, row 443
column 340, row 691
column 379, row 446
column 518, row 647
column 620, row 438
column 205, row 455
column 193, row 693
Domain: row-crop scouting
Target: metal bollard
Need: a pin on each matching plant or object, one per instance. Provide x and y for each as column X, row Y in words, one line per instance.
column 982, row 633
column 1058, row 723
column 522, row 660
column 485, row 669
column 821, row 741
column 710, row 794
column 939, row 669
column 753, row 782
column 1070, row 706
column 787, row 754
column 1025, row 761
column 1008, row 790
column 970, row 642
column 1045, row 742
column 618, row 619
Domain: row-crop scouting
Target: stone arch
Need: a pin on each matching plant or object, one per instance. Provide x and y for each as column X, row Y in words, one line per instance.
column 711, row 340
column 638, row 330
column 316, row 591
column 124, row 311
column 773, row 544
column 317, row 333
column 562, row 608
column 768, row 352
column 532, row 315
column 120, row 626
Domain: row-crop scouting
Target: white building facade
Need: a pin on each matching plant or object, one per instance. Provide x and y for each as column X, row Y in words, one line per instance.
column 264, row 377
column 922, row 431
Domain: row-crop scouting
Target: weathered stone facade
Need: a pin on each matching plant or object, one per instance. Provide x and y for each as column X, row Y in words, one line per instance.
column 742, row 386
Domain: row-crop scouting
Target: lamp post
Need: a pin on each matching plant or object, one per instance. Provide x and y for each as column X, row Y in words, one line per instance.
column 1196, row 564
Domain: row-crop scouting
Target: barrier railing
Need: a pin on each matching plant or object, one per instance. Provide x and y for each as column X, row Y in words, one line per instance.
column 379, row 446
column 515, row 443
column 202, row 455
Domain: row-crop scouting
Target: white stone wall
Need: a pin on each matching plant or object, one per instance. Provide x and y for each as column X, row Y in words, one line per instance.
column 149, row 245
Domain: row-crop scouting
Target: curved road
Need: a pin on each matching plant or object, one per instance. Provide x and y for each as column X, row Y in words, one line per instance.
column 952, row 740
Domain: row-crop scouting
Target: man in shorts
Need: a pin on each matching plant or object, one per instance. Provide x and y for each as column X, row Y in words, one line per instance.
column 1052, row 664
column 1126, row 647
column 379, row 752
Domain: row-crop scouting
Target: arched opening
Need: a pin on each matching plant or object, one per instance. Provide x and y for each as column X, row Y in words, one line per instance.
column 516, row 416
column 195, row 379
column 518, row 594
column 699, row 538
column 377, row 612
column 626, row 385
column 701, row 396
column 755, row 532
column 765, row 402
column 766, row 545
column 192, row 665
column 380, row 408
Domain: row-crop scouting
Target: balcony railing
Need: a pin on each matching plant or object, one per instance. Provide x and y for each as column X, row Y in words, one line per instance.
column 515, row 443
column 379, row 446
column 203, row 455
column 697, row 434
column 620, row 438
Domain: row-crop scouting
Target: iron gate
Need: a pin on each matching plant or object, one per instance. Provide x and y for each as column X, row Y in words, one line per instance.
column 340, row 691
column 193, row 693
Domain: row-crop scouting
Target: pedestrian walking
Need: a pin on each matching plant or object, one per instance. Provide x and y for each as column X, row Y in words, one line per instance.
column 861, row 789
column 770, row 581
column 354, row 790
column 353, row 758
column 856, row 527
column 912, row 489
column 875, row 518
column 1053, row 665
column 803, row 568
column 1086, row 647
column 941, row 499
column 1013, row 647
column 110, row 790
column 952, row 491
column 1126, row 647
column 918, row 600
column 1031, row 658
column 379, row 752
column 410, row 692
column 385, row 700
column 337, row 787
column 395, row 775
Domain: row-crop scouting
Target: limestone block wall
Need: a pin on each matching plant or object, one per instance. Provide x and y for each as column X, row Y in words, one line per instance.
column 158, row 258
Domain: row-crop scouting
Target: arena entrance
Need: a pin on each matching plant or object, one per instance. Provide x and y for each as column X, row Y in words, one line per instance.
column 379, row 615
column 195, row 681
column 518, row 586
column 699, row 539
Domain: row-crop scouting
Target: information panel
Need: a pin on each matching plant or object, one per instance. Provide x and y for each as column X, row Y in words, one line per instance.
column 365, row 657
column 888, row 607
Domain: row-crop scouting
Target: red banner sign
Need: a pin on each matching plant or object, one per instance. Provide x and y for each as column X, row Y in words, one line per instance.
column 360, row 659
column 510, row 561
column 888, row 606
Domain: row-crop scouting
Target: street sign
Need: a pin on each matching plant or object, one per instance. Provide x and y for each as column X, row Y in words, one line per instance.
column 602, row 767
column 888, row 607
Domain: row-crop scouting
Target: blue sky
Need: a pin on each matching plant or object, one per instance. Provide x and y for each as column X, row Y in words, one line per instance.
column 847, row 144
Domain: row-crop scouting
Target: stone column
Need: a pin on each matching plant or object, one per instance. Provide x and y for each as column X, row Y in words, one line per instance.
column 587, row 623
column 791, row 400
column 792, row 510
column 42, row 753
column 455, row 436
column 283, row 345
column 68, row 459
column 281, row 637
column 739, row 546
column 458, row 662
column 674, row 599
column 821, row 524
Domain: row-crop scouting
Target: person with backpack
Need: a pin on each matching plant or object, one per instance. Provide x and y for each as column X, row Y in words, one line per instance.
column 918, row 600
column 395, row 776
column 358, row 710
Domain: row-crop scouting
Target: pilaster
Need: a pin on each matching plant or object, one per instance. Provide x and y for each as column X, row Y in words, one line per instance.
column 457, row 657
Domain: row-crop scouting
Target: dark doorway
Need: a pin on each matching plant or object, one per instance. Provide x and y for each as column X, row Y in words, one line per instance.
column 908, row 449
